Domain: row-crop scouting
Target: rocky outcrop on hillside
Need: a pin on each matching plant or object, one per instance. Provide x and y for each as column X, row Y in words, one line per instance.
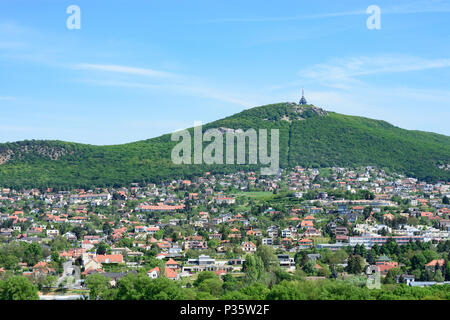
column 16, row 151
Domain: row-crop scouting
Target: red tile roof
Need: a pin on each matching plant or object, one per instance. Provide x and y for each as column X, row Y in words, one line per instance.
column 109, row 258
column 434, row 262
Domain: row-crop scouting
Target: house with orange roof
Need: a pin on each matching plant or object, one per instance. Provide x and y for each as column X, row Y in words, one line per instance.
column 305, row 244
column 306, row 224
column 89, row 271
column 152, row 240
column 234, row 234
column 109, row 258
column 238, row 216
column 312, row 232
column 169, row 273
column 223, row 199
column 172, row 274
column 220, row 272
column 426, row 214
column 249, row 247
column 432, row 264
column 153, row 273
column 256, row 233
column 138, row 229
column 385, row 266
column 43, row 267
column 172, row 264
column 161, row 256
column 72, row 253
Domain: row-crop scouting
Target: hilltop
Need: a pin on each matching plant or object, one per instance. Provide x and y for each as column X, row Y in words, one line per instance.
column 309, row 136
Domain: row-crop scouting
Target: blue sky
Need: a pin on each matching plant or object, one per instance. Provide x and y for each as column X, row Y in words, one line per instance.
column 138, row 69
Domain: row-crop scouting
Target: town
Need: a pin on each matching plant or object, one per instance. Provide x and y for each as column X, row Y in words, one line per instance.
column 216, row 229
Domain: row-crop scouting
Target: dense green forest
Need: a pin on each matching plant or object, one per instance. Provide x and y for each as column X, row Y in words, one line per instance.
column 309, row 136
column 209, row 286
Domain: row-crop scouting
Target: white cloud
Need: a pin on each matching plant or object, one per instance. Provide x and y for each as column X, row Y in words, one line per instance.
column 424, row 6
column 282, row 19
column 188, row 87
column 346, row 73
column 125, row 70
column 343, row 85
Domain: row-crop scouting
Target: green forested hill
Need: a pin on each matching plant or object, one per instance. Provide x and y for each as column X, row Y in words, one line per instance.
column 309, row 136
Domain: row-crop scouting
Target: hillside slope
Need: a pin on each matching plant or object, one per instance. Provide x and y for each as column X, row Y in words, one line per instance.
column 309, row 136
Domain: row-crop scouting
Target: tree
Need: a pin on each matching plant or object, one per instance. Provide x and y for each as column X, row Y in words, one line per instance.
column 204, row 275
column 418, row 260
column 55, row 256
column 164, row 289
column 125, row 242
column 256, row 291
column 102, row 248
column 286, row 290
column 212, row 286
column 355, row 264
column 141, row 287
column 253, row 268
column 446, row 270
column 213, row 243
column 337, row 257
column 445, row 200
column 18, row 288
column 301, row 258
column 310, row 268
column 33, row 254
column 158, row 234
column 438, row 276
column 49, row 282
column 9, row 261
column 268, row 257
column 97, row 285
column 430, row 255
column 63, row 285
column 392, row 275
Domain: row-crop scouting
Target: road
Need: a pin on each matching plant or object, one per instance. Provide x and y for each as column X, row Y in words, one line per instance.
column 72, row 274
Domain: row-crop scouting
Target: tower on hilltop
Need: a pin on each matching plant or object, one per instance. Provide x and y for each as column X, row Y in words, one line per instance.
column 303, row 99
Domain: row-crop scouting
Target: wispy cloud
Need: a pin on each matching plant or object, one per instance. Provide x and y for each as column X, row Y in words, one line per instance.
column 287, row 18
column 345, row 73
column 426, row 6
column 184, row 84
column 188, row 86
column 346, row 85
column 125, row 70
column 423, row 6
